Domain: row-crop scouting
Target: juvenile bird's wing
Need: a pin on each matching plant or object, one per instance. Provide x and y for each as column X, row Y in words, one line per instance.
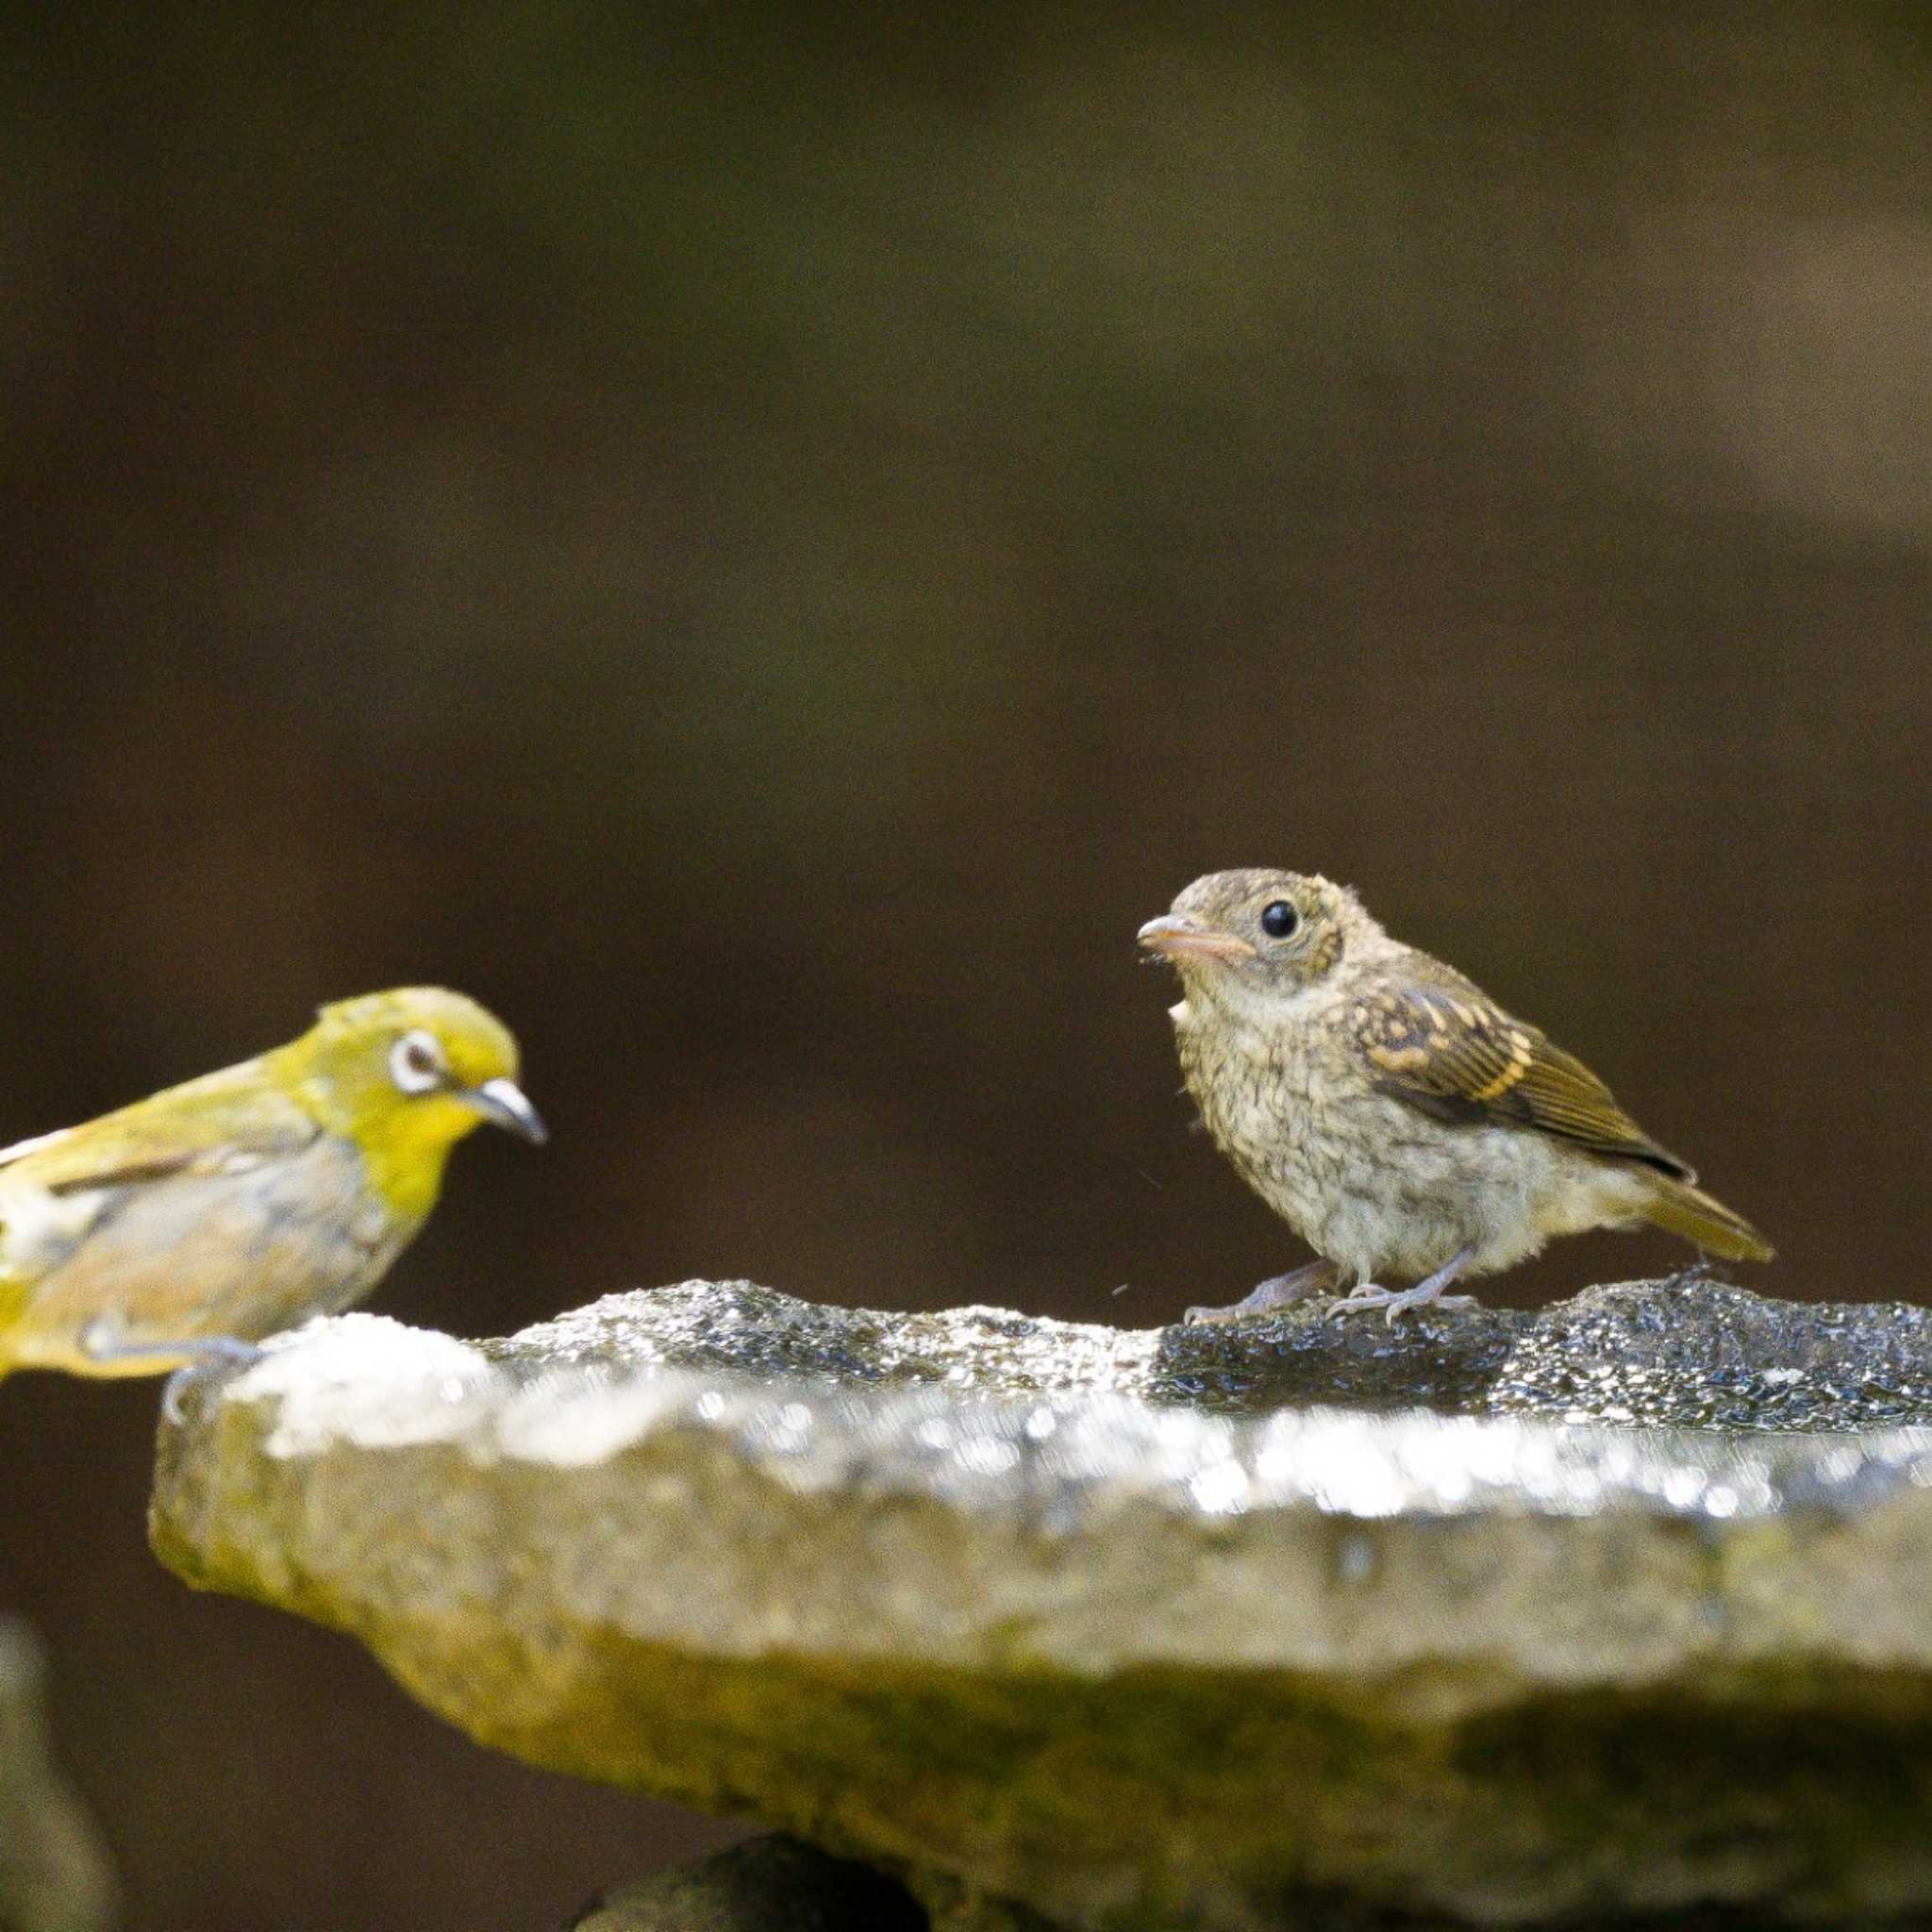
column 1456, row 1055
column 56, row 1187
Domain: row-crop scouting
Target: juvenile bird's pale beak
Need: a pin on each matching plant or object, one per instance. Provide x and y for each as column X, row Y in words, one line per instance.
column 1174, row 933
column 504, row 1103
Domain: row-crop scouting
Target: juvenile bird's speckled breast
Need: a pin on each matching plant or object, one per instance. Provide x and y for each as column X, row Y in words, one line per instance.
column 1366, row 1181
column 1263, row 1098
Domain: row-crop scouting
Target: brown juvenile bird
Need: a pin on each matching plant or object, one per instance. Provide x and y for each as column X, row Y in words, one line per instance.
column 1394, row 1116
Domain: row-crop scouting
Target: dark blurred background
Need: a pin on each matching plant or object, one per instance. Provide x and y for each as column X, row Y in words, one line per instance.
column 763, row 542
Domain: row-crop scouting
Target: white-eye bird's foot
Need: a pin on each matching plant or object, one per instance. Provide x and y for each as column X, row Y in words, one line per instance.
column 100, row 1341
column 1279, row 1291
column 217, row 1350
column 1424, row 1295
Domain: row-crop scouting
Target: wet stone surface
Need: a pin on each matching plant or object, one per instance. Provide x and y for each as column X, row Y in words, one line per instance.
column 1599, row 1612
column 1690, row 1353
column 764, row 1885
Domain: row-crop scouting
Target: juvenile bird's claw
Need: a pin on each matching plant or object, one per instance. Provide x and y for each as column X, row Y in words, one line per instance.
column 1392, row 1302
column 1277, row 1291
column 1426, row 1293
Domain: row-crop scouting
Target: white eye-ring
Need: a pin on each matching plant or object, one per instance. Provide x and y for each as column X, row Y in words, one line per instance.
column 416, row 1063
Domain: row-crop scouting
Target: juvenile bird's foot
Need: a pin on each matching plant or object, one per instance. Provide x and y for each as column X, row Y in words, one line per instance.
column 1317, row 1277
column 1426, row 1293
column 1395, row 1300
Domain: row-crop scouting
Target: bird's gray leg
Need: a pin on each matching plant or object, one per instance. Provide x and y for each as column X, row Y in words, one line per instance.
column 100, row 1341
column 1428, row 1293
column 1317, row 1277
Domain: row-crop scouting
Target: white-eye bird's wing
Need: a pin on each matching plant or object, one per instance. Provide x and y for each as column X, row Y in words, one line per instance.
column 163, row 1262
column 20, row 1149
column 222, row 1207
column 56, row 1187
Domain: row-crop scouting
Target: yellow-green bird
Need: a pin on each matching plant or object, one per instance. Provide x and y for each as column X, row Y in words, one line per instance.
column 193, row 1223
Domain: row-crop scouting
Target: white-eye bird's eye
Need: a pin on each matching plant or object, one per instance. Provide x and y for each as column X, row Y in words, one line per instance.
column 416, row 1063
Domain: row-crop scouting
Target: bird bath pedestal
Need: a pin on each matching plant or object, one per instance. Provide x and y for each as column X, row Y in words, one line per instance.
column 1598, row 1612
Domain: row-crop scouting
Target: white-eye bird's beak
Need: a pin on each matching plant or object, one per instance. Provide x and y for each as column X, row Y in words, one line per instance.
column 504, row 1103
column 1174, row 933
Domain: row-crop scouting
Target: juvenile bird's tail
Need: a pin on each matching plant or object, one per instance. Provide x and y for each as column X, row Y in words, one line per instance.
column 1682, row 1210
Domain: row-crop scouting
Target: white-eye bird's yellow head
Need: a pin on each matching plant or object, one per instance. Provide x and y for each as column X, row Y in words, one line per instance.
column 405, row 1074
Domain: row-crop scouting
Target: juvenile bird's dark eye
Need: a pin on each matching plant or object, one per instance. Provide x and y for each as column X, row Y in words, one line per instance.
column 1277, row 919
